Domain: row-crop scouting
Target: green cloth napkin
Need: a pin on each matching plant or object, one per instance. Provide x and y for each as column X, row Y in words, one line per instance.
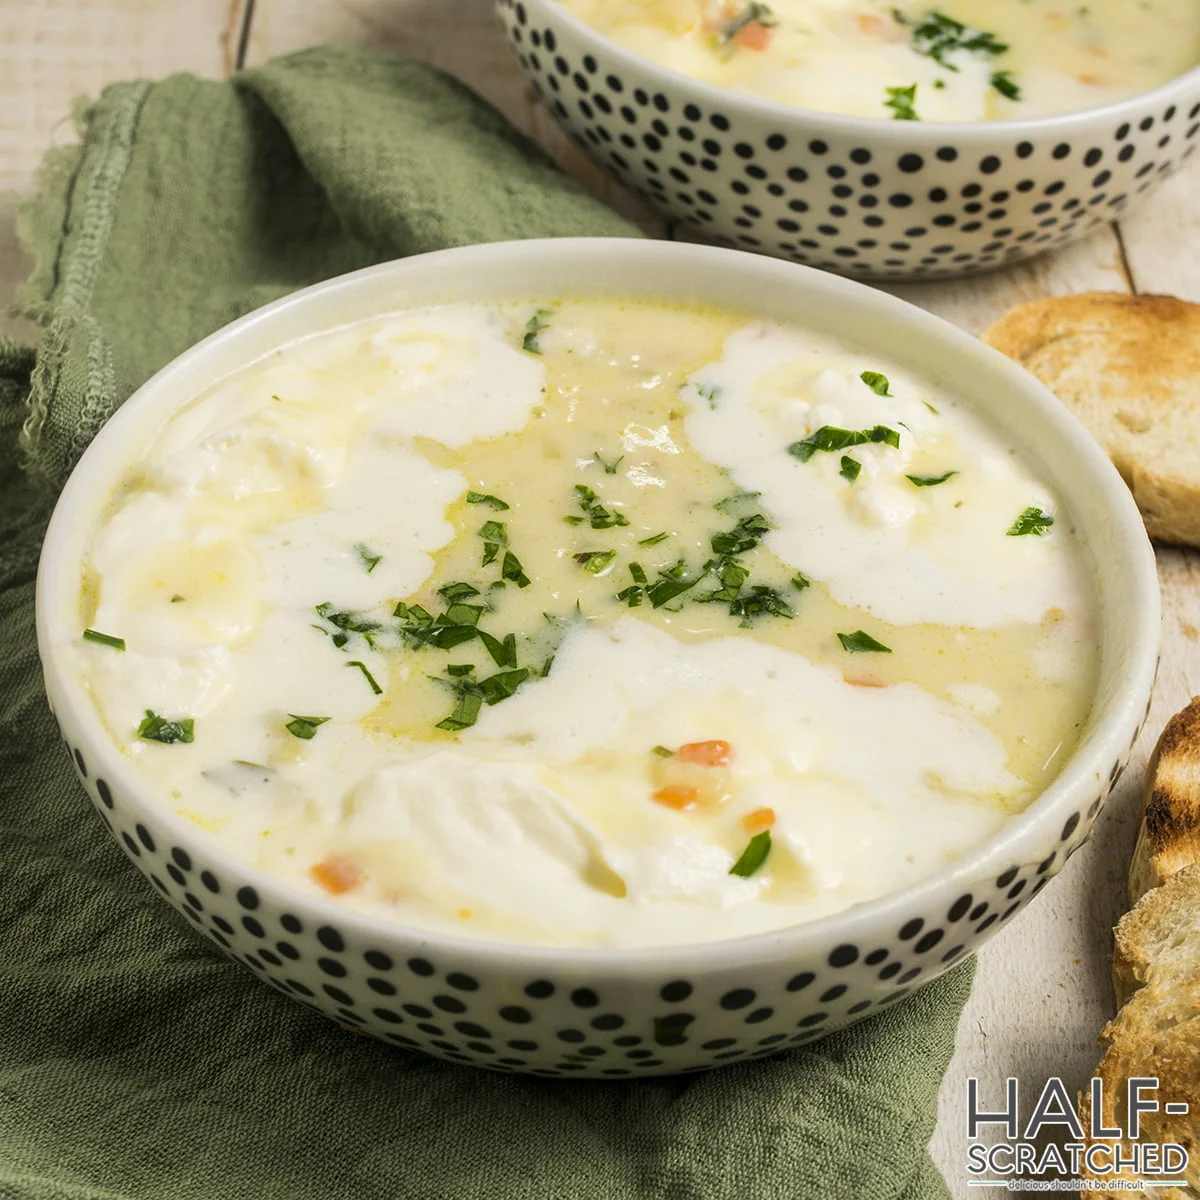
column 135, row 1060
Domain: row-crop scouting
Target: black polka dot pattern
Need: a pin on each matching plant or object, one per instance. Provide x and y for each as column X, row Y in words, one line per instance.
column 403, row 988
column 860, row 203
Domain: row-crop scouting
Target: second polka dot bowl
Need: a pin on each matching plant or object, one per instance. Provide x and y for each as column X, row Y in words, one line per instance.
column 875, row 199
column 612, row 1013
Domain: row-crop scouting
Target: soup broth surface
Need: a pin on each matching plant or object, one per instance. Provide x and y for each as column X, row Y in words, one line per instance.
column 961, row 60
column 588, row 622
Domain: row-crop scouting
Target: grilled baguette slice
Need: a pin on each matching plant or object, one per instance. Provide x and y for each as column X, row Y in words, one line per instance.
column 1156, row 967
column 1129, row 368
column 1169, row 836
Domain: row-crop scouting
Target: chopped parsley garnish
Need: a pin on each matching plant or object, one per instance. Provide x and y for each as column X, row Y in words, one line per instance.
column 595, row 562
column 445, row 631
column 305, row 728
column 495, row 538
column 748, row 16
column 859, row 642
column 455, row 593
column 369, row 561
column 800, row 582
column 472, row 694
column 929, row 480
column 902, row 101
column 745, row 535
column 610, row 465
column 1032, row 520
column 504, row 653
column 662, row 751
column 877, row 383
column 1006, row 85
column 533, row 327
column 103, row 639
column 830, row 438
column 158, row 729
column 177, row 599
column 345, row 623
column 488, row 499
column 654, row 539
column 596, row 515
column 739, row 500
column 850, row 468
column 710, row 392
column 754, row 855
column 935, row 35
column 362, row 666
column 511, row 569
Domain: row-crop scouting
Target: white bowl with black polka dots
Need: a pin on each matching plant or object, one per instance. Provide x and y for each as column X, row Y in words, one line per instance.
column 612, row 1013
column 875, row 199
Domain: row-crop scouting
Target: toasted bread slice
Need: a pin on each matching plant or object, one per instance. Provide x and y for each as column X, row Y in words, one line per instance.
column 1169, row 837
column 1156, row 1034
column 1129, row 368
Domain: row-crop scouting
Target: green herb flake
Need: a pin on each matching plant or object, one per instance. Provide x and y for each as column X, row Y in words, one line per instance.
column 488, row 499
column 736, row 501
column 1032, row 521
column 654, row 539
column 103, row 639
column 710, row 392
column 936, row 35
column 158, row 729
column 369, row 561
column 754, row 855
column 800, row 581
column 455, row 593
column 495, row 538
column 850, row 468
column 598, row 517
column 902, row 102
column 345, row 623
column 610, row 465
column 305, row 728
column 465, row 714
column 831, row 438
column 1006, row 85
column 511, row 569
column 595, row 562
column 533, row 327
column 637, row 572
column 362, row 666
column 177, row 599
column 876, row 382
column 662, row 752
column 859, row 642
column 929, row 480
column 504, row 653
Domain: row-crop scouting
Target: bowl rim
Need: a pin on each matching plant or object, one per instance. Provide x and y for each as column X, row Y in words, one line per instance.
column 1106, row 733
column 920, row 133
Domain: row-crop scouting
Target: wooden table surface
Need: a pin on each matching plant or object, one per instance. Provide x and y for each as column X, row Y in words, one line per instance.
column 1042, row 990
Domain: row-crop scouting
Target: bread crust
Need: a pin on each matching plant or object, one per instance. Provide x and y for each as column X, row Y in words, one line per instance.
column 1129, row 368
column 1156, row 963
column 1169, row 835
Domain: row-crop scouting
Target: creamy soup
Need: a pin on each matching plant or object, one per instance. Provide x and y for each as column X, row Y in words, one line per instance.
column 960, row 60
column 587, row 622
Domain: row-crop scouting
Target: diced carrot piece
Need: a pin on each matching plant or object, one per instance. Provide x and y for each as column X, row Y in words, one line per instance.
column 337, row 875
column 1090, row 80
column 754, row 35
column 869, row 23
column 706, row 754
column 758, row 820
column 867, row 681
column 678, row 798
